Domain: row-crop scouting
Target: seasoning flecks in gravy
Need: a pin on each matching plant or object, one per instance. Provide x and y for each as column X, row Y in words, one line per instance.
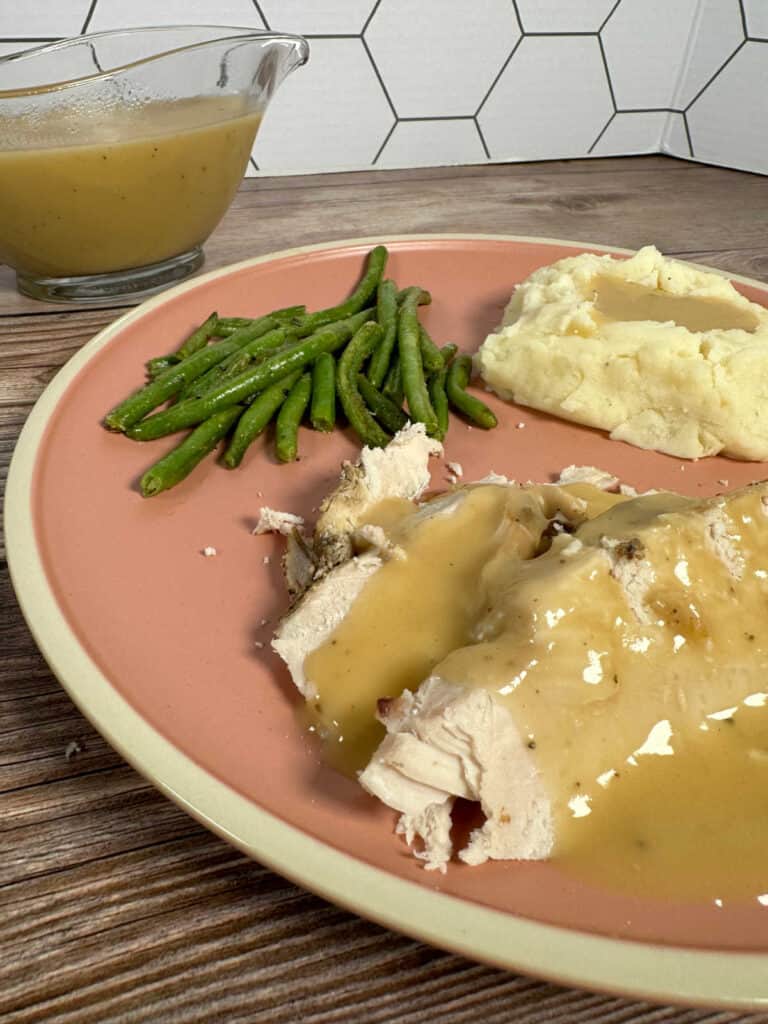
column 625, row 301
column 127, row 188
column 629, row 645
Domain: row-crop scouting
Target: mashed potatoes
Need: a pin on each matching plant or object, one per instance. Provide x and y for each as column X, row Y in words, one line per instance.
column 657, row 352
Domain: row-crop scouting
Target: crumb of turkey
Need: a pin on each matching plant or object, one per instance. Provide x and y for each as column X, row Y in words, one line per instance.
column 271, row 520
column 588, row 475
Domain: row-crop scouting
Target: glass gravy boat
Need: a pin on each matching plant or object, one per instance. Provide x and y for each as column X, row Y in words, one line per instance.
column 121, row 151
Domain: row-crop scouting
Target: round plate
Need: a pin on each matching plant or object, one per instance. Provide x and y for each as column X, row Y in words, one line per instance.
column 161, row 647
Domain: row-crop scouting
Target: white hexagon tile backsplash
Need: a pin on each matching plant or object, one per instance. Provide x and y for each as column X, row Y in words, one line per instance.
column 407, row 83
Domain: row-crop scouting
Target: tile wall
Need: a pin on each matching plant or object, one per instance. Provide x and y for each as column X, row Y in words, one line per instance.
column 403, row 83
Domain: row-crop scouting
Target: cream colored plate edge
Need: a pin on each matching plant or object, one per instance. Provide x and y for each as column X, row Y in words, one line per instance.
column 641, row 970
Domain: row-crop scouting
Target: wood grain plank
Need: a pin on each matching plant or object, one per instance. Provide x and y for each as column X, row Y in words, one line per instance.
column 212, row 936
column 749, row 262
column 35, row 347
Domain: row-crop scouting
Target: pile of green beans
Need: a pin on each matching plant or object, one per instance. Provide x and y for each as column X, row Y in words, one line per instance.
column 233, row 376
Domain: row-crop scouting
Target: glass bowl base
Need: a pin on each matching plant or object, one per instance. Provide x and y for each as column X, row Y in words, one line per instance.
column 120, row 284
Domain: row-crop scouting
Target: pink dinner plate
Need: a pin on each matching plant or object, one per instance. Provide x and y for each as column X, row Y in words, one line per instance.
column 161, row 647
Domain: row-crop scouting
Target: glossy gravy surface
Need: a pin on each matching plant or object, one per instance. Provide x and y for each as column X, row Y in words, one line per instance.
column 415, row 610
column 140, row 185
column 631, row 654
column 624, row 300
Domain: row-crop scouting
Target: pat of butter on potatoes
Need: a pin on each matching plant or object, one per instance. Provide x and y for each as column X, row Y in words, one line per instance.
column 657, row 352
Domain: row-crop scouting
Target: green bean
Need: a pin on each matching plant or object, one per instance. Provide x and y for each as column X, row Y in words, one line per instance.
column 448, row 352
column 238, row 361
column 351, row 360
column 424, row 299
column 290, row 313
column 438, row 397
column 233, row 323
column 246, row 384
column 393, row 384
column 180, row 462
column 197, row 339
column 229, row 323
column 256, row 418
column 386, row 316
column 377, row 260
column 198, row 387
column 431, row 356
column 459, row 373
column 289, row 418
column 409, row 347
column 322, row 414
column 253, row 352
column 439, row 401
column 159, row 364
column 172, row 380
column 390, row 416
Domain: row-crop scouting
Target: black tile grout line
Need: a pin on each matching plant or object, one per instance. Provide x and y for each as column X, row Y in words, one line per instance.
column 88, row 17
column 546, row 35
column 439, row 117
column 609, row 15
column 710, row 80
column 607, row 71
column 482, row 139
column 261, row 15
column 744, row 28
column 30, row 39
column 387, row 137
column 688, row 133
column 376, row 71
column 648, row 110
column 369, row 19
column 756, row 39
column 95, row 57
column 332, row 35
column 253, row 163
column 603, row 130
column 499, row 73
column 688, row 141
column 516, row 9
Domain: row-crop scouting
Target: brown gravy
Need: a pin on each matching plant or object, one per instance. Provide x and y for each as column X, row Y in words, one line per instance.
column 102, row 194
column 625, row 301
column 651, row 733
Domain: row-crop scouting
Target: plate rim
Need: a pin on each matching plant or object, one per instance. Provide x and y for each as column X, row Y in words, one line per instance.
column 632, row 969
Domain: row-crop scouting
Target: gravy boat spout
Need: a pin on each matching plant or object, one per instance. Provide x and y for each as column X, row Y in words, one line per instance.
column 121, row 151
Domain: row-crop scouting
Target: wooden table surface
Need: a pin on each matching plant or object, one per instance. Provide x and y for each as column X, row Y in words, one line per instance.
column 115, row 906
